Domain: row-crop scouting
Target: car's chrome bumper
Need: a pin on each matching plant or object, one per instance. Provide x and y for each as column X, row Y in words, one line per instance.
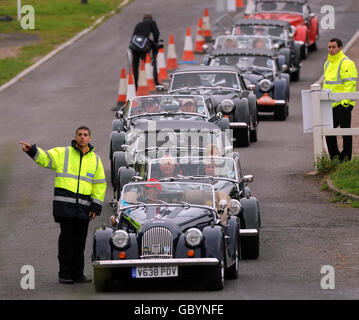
column 248, row 232
column 155, row 262
column 233, row 125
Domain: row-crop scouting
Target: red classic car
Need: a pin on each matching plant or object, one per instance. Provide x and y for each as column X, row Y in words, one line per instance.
column 297, row 13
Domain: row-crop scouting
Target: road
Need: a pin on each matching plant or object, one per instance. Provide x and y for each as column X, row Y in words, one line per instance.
column 302, row 230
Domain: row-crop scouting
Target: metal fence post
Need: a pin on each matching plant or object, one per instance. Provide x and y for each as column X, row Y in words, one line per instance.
column 317, row 121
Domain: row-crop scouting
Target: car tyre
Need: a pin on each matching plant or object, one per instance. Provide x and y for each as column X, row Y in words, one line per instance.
column 304, row 51
column 250, row 247
column 215, row 276
column 102, row 280
column 281, row 112
column 295, row 75
column 232, row 271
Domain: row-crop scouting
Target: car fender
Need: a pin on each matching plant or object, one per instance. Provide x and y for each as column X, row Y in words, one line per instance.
column 101, row 244
column 118, row 161
column 241, row 112
column 301, row 33
column 286, row 53
column 280, row 89
column 117, row 125
column 282, row 60
column 297, row 53
column 232, row 232
column 213, row 242
column 131, row 250
column 313, row 30
column 251, row 214
column 125, row 175
column 117, row 140
column 252, row 101
column 182, row 248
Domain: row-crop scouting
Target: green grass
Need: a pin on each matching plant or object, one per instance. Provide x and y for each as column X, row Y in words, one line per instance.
column 346, row 177
column 56, row 21
column 325, row 165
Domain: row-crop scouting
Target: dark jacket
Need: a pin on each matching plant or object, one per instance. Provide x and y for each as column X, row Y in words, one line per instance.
column 146, row 27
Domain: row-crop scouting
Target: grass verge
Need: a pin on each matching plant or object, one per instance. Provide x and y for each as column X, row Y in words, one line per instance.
column 345, row 176
column 56, row 21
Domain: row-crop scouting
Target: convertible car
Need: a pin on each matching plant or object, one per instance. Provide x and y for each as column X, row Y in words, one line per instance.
column 168, row 229
column 260, row 67
column 282, row 34
column 152, row 140
column 228, row 94
column 297, row 13
column 145, row 111
column 225, row 175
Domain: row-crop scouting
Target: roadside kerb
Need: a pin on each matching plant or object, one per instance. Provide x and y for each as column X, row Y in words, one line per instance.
column 342, row 192
column 62, row 47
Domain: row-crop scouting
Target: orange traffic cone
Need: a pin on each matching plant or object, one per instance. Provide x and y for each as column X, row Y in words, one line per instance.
column 207, row 27
column 199, row 38
column 122, row 89
column 142, row 86
column 239, row 3
column 131, row 88
column 171, row 54
column 161, row 66
column 188, row 54
column 149, row 73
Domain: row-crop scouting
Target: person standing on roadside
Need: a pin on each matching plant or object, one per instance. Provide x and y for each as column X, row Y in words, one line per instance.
column 141, row 44
column 340, row 75
column 80, row 187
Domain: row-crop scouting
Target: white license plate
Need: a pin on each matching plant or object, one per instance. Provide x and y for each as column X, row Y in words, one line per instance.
column 155, row 272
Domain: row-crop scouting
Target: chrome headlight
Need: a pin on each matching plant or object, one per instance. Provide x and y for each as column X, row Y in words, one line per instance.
column 193, row 237
column 265, row 85
column 120, row 239
column 227, row 105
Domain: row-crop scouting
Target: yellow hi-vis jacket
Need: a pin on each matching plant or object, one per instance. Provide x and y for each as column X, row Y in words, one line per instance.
column 340, row 75
column 80, row 183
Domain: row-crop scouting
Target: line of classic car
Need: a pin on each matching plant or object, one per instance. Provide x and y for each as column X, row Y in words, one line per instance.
column 182, row 207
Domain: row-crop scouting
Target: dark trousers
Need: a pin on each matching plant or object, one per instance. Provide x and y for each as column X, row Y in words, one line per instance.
column 136, row 56
column 72, row 242
column 342, row 117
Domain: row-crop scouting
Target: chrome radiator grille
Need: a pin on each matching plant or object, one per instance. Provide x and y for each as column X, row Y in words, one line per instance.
column 157, row 242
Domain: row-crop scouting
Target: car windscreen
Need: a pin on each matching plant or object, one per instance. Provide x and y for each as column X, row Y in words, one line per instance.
column 205, row 79
column 245, row 62
column 243, row 42
column 167, row 104
column 168, row 166
column 273, row 31
column 152, row 192
column 177, row 143
column 278, row 6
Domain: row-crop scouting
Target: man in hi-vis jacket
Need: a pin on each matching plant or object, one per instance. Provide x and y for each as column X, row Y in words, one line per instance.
column 340, row 75
column 80, row 187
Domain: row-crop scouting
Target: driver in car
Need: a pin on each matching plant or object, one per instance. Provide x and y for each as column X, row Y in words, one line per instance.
column 188, row 105
column 150, row 106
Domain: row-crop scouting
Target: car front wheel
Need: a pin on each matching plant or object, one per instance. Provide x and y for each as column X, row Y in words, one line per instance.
column 215, row 276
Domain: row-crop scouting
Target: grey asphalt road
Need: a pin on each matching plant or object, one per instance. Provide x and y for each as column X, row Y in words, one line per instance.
column 302, row 231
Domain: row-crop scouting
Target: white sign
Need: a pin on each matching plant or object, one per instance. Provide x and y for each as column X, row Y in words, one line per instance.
column 325, row 110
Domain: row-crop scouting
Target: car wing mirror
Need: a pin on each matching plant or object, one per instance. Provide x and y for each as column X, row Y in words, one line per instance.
column 160, row 88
